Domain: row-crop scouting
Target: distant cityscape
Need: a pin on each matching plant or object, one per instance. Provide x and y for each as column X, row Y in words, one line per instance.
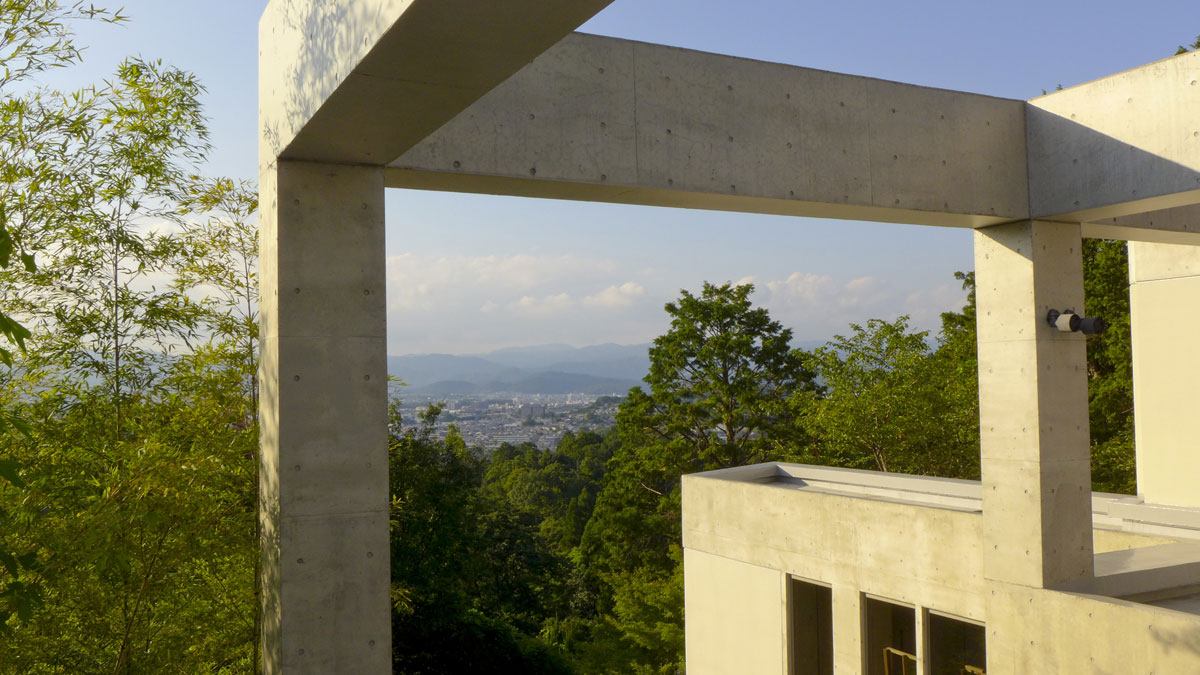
column 520, row 395
column 540, row 419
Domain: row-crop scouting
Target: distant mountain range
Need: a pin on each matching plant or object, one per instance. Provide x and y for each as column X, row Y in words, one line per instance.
column 543, row 369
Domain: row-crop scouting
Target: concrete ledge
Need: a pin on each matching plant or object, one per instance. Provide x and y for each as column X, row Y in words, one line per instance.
column 1139, row 571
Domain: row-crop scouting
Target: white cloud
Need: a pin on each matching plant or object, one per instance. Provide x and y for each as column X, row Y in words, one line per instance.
column 616, row 296
column 430, row 282
column 550, row 304
column 817, row 306
column 861, row 283
column 476, row 303
column 801, row 288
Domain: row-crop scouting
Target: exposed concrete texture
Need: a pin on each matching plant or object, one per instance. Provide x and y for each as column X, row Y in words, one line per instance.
column 847, row 630
column 1157, row 262
column 1032, row 404
column 1127, row 143
column 1164, row 298
column 1105, row 540
column 604, row 119
column 361, row 82
column 838, row 528
column 737, row 616
column 323, row 377
column 886, row 547
column 1041, row 632
column 1180, row 225
column 1142, row 570
column 350, row 94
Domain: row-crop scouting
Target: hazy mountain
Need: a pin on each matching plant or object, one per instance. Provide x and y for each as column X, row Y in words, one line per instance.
column 539, row 369
column 444, row 388
column 555, row 356
column 566, row 383
column 535, row 357
column 419, row 370
column 630, row 368
column 537, row 383
column 514, row 369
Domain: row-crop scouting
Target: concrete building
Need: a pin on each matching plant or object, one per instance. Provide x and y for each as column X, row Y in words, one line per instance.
column 786, row 567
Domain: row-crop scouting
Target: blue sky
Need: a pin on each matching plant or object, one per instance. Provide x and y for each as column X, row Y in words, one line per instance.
column 470, row 273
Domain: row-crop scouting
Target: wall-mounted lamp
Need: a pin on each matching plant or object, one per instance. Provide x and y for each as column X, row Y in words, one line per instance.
column 1067, row 321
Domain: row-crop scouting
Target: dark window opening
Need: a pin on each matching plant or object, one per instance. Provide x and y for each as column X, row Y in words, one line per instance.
column 890, row 638
column 955, row 647
column 812, row 628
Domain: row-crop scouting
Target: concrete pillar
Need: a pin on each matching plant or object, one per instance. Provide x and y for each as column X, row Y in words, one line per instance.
column 1164, row 298
column 922, row 629
column 848, row 656
column 1032, row 405
column 323, row 473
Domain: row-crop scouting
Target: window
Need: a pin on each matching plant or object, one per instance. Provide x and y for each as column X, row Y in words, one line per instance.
column 811, row 609
column 955, row 646
column 890, row 637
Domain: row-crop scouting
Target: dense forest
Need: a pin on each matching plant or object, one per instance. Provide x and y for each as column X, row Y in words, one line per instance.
column 128, row 404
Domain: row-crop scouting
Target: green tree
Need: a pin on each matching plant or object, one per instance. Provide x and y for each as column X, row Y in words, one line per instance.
column 719, row 383
column 1110, row 366
column 34, row 125
column 893, row 403
column 136, row 520
column 92, row 304
column 142, row 540
column 1184, row 50
column 36, row 128
column 217, row 254
column 473, row 582
column 557, row 487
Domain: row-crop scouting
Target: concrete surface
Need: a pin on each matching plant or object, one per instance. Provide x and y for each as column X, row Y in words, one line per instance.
column 323, row 378
column 1033, row 406
column 604, row 119
column 734, row 603
column 354, row 96
column 1179, row 225
column 361, row 82
column 1164, row 297
column 1123, row 144
column 752, row 528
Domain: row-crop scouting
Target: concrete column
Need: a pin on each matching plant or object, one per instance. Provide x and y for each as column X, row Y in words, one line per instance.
column 323, row 473
column 1032, row 405
column 1164, row 297
column 848, row 656
column 922, row 653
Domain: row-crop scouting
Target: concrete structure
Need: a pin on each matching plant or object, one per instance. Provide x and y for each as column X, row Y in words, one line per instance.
column 786, row 568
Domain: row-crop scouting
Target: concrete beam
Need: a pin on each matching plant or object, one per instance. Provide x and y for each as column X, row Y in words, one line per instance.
column 323, row 470
column 336, row 77
column 1033, row 406
column 1120, row 145
column 1180, row 225
column 603, row 119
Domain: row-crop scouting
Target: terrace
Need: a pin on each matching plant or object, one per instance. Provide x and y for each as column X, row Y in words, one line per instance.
column 759, row 538
column 504, row 98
